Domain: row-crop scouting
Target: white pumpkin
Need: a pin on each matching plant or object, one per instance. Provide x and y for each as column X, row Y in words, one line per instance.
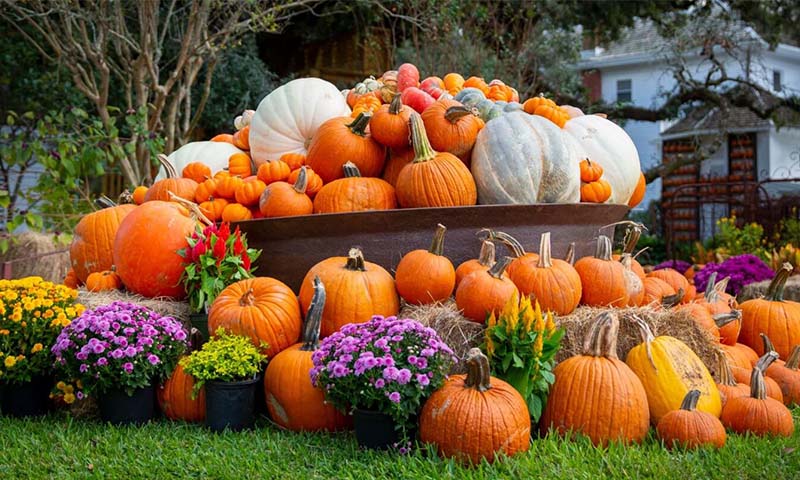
column 607, row 144
column 521, row 158
column 213, row 154
column 290, row 115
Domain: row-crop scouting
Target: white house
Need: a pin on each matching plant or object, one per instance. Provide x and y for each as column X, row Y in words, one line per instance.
column 636, row 69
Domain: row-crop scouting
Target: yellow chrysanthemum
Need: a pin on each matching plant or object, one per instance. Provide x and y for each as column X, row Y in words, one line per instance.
column 69, row 398
column 60, row 385
column 10, row 362
column 37, row 348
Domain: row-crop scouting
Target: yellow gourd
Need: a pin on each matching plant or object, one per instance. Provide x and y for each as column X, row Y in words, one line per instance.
column 669, row 369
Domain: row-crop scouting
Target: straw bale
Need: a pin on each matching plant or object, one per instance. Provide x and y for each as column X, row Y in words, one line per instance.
column 24, row 250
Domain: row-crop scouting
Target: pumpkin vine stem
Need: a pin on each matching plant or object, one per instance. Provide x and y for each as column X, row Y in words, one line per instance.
column 510, row 242
column 359, row 125
column 601, row 340
column 314, row 317
column 396, row 105
column 690, row 400
column 669, row 301
column 766, row 360
column 768, row 346
column 423, row 151
column 545, row 257
column 778, row 283
column 793, row 362
column 169, row 168
column 647, row 339
column 725, row 373
column 478, row 375
column 486, row 257
column 301, row 183
column 455, row 113
column 355, row 260
column 499, row 267
column 437, row 244
column 722, row 319
column 570, row 256
column 248, row 299
column 758, row 389
column 603, row 250
column 351, row 170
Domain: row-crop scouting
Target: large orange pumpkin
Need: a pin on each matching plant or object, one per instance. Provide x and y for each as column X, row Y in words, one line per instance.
column 603, row 280
column 426, row 276
column 757, row 414
column 362, row 289
column 727, row 385
column 451, row 127
column 343, row 139
column 785, row 374
column 772, row 315
column 262, row 308
column 160, row 190
column 740, row 355
column 397, row 159
column 483, row 292
column 596, row 393
column 638, row 192
column 484, row 262
column 175, row 397
column 146, row 248
column 355, row 193
column 389, row 125
column 293, row 402
column 674, row 279
column 92, row 244
column 476, row 416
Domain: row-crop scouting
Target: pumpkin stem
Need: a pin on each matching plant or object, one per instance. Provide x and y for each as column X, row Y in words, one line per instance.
column 125, row 197
column 104, row 202
column 351, row 170
column 690, row 400
column 601, row 339
column 302, row 180
column 766, row 360
column 191, row 206
column 359, row 125
column 314, row 317
column 396, row 105
column 486, row 257
column 623, row 222
column 758, row 389
column 669, row 301
column 453, row 114
column 722, row 319
column 632, row 237
column 423, row 151
column 545, row 258
column 778, row 283
column 725, row 373
column 793, row 362
column 603, row 251
column 570, row 256
column 499, row 267
column 478, row 375
column 768, row 346
column 711, row 294
column 355, row 260
column 511, row 242
column 169, row 168
column 647, row 339
column 248, row 299
column 437, row 245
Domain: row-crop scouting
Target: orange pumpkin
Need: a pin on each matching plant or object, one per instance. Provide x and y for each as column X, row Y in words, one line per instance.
column 757, row 414
column 281, row 199
column 355, row 193
column 102, row 281
column 175, row 397
column 138, row 194
column 226, row 186
column 595, row 192
column 273, row 171
column 160, row 190
column 389, row 125
column 343, row 139
column 656, row 290
column 484, row 262
column 433, row 179
column 71, row 279
column 590, row 171
column 477, row 82
column 223, row 138
column 366, row 104
column 397, row 159
column 453, row 83
column 213, row 208
column 674, row 279
column 533, row 103
column 236, row 212
column 483, row 292
column 249, row 192
column 603, row 280
column 785, row 374
column 314, row 182
column 718, row 302
column 451, row 127
column 727, row 385
column 294, row 160
column 206, row 191
column 638, row 192
column 690, row 428
column 764, row 362
column 426, row 276
column 92, row 243
column 293, row 402
column 241, row 139
column 740, row 355
column 196, row 171
column 261, row 308
column 363, row 289
column 240, row 165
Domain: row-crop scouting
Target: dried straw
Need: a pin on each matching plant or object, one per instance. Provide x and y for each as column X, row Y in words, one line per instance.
column 24, row 252
column 163, row 306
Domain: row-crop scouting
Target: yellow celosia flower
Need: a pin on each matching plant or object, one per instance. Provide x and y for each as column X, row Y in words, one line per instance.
column 510, row 313
column 492, row 321
column 539, row 319
column 527, row 314
column 551, row 324
column 10, row 362
column 489, row 344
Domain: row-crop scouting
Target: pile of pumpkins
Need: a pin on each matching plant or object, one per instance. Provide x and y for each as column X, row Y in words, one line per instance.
column 397, row 141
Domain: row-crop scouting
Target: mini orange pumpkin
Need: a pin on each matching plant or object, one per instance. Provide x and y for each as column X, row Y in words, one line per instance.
column 426, row 276
column 197, row 171
column 533, row 103
column 226, row 186
column 294, row 160
column 71, row 279
column 281, row 199
column 314, row 182
column 241, row 139
column 595, row 192
column 590, row 171
column 690, row 428
column 249, row 192
column 101, row 281
column 273, row 171
column 138, row 194
column 453, row 83
column 213, row 208
column 240, row 165
column 206, row 190
column 236, row 212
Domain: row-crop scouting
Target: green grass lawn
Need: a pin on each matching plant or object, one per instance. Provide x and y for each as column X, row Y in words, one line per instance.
column 60, row 447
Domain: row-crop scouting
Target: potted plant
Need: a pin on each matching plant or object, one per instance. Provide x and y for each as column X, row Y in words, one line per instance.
column 229, row 366
column 382, row 371
column 32, row 313
column 214, row 259
column 117, row 352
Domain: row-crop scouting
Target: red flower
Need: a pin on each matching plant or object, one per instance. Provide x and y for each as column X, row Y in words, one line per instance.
column 246, row 261
column 238, row 245
column 224, row 232
column 198, row 250
column 220, row 250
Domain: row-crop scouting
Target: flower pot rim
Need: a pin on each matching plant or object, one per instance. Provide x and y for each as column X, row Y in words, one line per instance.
column 236, row 383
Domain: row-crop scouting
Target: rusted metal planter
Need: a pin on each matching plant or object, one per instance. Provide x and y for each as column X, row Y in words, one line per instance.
column 292, row 245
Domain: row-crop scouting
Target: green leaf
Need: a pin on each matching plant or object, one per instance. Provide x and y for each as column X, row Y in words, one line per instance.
column 517, row 361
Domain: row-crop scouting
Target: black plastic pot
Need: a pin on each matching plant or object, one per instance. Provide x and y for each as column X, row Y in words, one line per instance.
column 231, row 405
column 199, row 321
column 375, row 430
column 119, row 408
column 28, row 399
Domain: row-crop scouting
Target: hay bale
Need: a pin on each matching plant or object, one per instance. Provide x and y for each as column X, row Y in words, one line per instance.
column 759, row 289
column 163, row 306
column 26, row 254
column 662, row 322
column 456, row 331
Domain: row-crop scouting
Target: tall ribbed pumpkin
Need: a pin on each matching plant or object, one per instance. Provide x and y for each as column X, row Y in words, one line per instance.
column 146, row 248
column 262, row 308
column 92, row 244
column 475, row 416
column 772, row 315
column 588, row 387
column 293, row 402
column 668, row 370
column 360, row 289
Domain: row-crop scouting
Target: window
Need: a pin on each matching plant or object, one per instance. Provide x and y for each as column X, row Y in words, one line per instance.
column 776, row 80
column 624, row 91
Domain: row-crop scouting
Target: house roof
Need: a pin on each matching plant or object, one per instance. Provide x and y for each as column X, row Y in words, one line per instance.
column 712, row 119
